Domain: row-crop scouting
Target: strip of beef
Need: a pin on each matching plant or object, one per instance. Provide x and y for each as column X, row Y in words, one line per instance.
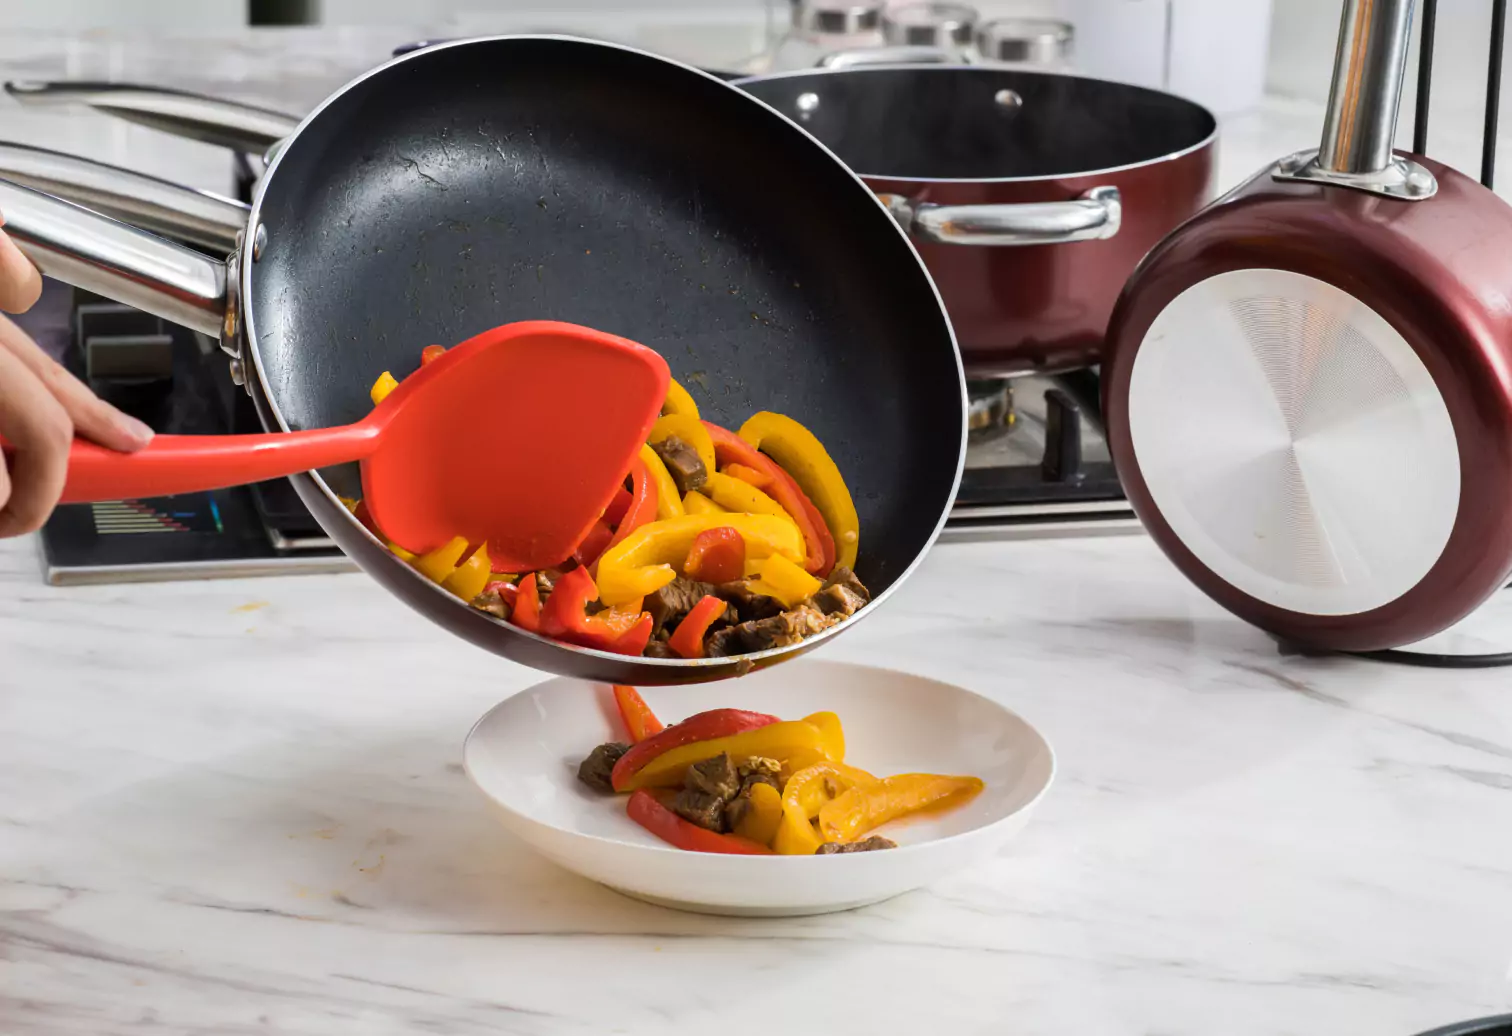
column 545, row 583
column 658, row 649
column 758, row 770
column 717, row 776
column 749, row 606
column 595, row 770
column 683, row 464
column 669, row 604
column 838, row 600
column 701, row 808
column 866, row 845
column 492, row 602
column 707, row 789
column 782, row 630
column 842, row 576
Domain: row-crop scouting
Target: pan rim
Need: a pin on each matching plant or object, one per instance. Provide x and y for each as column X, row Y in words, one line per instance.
column 270, row 404
column 1171, row 156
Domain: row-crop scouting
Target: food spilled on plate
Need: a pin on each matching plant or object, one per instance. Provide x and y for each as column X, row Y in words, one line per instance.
column 718, row 544
column 746, row 783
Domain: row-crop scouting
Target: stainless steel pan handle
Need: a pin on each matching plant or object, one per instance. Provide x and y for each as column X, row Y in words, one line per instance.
column 160, row 206
column 241, row 127
column 96, row 253
column 1094, row 216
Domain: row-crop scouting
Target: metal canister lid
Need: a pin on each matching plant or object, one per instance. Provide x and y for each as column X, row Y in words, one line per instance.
column 1035, row 41
column 929, row 24
column 836, row 17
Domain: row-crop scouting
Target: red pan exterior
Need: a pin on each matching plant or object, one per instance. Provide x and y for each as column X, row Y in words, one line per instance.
column 1046, row 307
column 1440, row 271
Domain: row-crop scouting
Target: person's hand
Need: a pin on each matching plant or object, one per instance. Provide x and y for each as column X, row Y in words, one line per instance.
column 41, row 407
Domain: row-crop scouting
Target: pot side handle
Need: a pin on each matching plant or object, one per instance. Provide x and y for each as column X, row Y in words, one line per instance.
column 93, row 252
column 1095, row 216
column 155, row 205
column 240, row 127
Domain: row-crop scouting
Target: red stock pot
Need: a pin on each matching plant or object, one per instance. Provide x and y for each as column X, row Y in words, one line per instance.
column 1030, row 196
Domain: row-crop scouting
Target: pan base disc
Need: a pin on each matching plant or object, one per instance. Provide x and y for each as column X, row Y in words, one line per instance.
column 1294, row 442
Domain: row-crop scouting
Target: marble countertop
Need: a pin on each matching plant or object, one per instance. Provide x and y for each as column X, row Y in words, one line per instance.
column 238, row 808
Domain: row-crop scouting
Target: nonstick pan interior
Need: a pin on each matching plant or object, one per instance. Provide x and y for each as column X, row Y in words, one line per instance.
column 490, row 181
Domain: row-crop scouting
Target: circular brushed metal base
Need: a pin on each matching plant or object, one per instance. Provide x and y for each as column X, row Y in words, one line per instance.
column 1294, row 442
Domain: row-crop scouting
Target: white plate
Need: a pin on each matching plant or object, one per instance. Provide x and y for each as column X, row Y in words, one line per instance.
column 524, row 755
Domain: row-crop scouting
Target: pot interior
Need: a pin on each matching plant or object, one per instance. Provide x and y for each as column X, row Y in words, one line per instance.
column 953, row 123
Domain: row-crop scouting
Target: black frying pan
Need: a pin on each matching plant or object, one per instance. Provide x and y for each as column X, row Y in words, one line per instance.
column 485, row 181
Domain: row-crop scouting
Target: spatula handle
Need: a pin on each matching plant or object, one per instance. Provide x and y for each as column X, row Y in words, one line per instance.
column 191, row 463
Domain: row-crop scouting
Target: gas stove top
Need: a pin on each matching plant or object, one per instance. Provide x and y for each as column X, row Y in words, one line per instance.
column 178, row 382
column 1037, row 464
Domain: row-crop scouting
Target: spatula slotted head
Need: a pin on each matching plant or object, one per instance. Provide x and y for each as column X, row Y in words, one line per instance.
column 518, row 438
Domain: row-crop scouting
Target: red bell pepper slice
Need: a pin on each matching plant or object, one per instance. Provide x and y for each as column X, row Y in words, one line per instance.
column 717, row 556
column 643, row 500
column 527, row 609
column 705, row 726
column 565, row 617
column 431, row 353
column 650, row 814
column 594, row 544
column 638, row 718
column 634, row 640
column 688, row 639
column 615, row 512
column 730, row 448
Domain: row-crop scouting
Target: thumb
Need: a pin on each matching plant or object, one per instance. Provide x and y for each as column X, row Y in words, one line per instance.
column 20, row 283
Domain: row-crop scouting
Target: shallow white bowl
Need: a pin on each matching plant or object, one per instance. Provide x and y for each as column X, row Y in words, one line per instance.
column 524, row 755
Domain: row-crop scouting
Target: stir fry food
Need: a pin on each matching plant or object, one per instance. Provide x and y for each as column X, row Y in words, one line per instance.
column 732, row 781
column 719, row 543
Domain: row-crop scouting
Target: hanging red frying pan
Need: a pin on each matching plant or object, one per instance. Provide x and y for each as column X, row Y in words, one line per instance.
column 1309, row 385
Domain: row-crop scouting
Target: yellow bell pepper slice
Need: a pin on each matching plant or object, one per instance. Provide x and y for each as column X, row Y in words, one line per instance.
column 399, row 552
column 832, row 734
column 785, row 581
column 743, row 498
column 863, row 807
column 470, row 577
column 678, row 401
column 437, row 564
column 794, row 743
column 695, row 502
column 804, row 795
column 804, row 457
column 762, row 816
column 668, row 503
column 382, row 387
column 643, row 561
column 690, row 430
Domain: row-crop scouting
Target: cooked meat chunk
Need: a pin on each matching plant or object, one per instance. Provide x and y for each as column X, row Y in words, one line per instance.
column 683, row 463
column 716, row 776
column 842, row 576
column 759, row 771
column 749, row 606
column 545, row 582
column 781, row 630
column 491, row 602
column 669, row 604
column 658, row 649
column 701, row 808
column 866, row 845
column 595, row 770
column 735, row 810
column 838, row 600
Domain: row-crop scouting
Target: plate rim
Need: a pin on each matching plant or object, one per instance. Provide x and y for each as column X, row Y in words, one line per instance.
column 911, row 848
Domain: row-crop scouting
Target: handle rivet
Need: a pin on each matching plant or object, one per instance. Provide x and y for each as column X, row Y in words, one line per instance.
column 259, row 242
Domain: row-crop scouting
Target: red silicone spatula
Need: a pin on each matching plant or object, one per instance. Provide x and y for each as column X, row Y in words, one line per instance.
column 517, row 437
